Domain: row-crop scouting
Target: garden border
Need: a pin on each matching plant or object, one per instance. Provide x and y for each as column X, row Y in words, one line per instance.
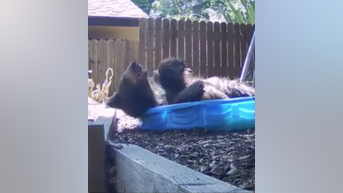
column 139, row 170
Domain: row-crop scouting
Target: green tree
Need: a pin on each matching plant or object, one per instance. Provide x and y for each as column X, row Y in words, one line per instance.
column 239, row 11
column 234, row 11
column 144, row 5
column 177, row 9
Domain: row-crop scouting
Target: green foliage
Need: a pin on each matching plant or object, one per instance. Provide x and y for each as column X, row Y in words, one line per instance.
column 144, row 5
column 180, row 9
column 234, row 11
column 241, row 11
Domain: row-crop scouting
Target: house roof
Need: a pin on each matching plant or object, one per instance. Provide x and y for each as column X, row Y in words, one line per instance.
column 115, row 8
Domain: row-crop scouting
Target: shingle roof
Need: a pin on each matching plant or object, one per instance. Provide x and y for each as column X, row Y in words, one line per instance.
column 115, row 8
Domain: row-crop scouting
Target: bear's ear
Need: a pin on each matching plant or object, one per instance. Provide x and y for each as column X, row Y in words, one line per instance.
column 115, row 101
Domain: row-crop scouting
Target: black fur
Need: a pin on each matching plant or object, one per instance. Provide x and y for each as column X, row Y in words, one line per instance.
column 193, row 93
column 136, row 92
column 177, row 80
column 175, row 85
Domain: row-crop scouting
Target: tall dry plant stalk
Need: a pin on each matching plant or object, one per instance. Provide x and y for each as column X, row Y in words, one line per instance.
column 100, row 94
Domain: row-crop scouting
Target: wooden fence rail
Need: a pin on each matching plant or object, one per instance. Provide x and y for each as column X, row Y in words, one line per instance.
column 115, row 54
column 208, row 48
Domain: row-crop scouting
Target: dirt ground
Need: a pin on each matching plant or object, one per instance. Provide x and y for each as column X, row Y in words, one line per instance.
column 228, row 156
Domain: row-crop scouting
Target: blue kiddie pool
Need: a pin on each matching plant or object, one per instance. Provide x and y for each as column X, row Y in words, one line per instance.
column 223, row 114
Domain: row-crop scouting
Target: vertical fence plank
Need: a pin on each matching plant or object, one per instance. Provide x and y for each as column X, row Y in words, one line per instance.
column 181, row 40
column 231, row 60
column 135, row 50
column 237, row 46
column 237, row 64
column 203, row 49
column 217, row 38
column 210, row 49
column 158, row 47
column 110, row 63
column 142, row 41
column 126, row 50
column 102, row 61
column 246, row 31
column 94, row 60
column 132, row 51
column 242, row 45
column 115, row 66
column 196, row 50
column 188, row 40
column 150, row 44
column 173, row 36
column 224, row 50
column 249, row 32
column 118, row 43
column 165, row 38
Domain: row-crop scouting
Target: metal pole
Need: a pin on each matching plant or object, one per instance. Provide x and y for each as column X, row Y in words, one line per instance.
column 247, row 61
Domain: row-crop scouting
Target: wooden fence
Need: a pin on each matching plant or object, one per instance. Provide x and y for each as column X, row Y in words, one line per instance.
column 115, row 54
column 208, row 48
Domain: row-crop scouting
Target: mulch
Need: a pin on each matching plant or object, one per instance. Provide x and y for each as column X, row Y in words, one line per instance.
column 227, row 156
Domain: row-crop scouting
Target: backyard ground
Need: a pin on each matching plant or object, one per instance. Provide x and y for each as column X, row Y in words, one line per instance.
column 228, row 156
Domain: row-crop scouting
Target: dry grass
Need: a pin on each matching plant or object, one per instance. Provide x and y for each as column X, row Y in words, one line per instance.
column 100, row 93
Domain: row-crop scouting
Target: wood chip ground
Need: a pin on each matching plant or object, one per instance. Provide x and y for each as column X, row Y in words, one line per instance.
column 228, row 156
